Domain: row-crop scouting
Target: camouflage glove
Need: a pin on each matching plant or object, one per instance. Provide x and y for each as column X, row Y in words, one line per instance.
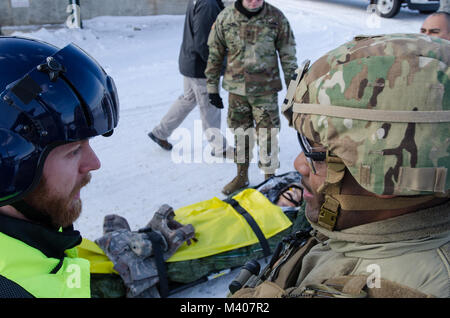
column 133, row 253
column 172, row 232
column 215, row 100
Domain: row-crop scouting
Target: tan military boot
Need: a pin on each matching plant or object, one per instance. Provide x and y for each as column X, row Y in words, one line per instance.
column 240, row 181
column 268, row 175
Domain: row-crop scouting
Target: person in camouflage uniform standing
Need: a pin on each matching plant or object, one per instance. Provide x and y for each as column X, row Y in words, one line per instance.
column 373, row 123
column 249, row 35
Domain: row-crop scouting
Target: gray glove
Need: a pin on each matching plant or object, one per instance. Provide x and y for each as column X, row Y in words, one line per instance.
column 133, row 252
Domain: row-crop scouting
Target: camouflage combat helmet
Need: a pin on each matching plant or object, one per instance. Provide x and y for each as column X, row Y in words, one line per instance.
column 381, row 105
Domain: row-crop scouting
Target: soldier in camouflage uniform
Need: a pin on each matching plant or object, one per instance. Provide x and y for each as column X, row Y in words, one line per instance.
column 437, row 24
column 372, row 118
column 249, row 35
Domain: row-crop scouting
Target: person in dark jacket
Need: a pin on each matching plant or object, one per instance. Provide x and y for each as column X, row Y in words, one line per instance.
column 200, row 16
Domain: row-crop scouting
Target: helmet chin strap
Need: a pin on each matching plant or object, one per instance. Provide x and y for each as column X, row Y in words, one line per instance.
column 335, row 201
column 329, row 210
column 366, row 203
column 32, row 214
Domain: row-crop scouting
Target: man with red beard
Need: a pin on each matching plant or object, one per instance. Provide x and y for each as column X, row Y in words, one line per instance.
column 53, row 101
column 66, row 170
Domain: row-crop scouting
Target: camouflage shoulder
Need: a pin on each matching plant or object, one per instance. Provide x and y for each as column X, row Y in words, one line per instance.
column 275, row 12
column 225, row 14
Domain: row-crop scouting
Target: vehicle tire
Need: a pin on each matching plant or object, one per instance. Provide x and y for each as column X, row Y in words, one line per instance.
column 388, row 8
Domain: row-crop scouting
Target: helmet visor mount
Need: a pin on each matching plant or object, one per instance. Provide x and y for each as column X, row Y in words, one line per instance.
column 67, row 98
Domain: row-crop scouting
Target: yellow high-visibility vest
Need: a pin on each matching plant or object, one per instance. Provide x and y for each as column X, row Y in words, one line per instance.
column 31, row 269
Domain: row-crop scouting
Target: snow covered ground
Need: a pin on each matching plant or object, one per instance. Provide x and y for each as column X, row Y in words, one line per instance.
column 141, row 54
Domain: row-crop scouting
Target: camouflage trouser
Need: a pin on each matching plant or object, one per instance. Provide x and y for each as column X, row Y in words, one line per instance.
column 255, row 115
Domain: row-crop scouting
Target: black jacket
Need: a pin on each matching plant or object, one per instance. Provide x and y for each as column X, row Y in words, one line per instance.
column 200, row 16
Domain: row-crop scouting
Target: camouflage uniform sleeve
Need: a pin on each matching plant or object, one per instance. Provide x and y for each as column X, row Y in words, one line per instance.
column 285, row 45
column 217, row 51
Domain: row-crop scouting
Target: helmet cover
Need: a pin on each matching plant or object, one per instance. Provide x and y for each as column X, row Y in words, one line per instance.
column 382, row 105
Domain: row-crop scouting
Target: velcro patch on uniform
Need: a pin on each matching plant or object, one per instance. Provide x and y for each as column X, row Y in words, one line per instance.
column 364, row 174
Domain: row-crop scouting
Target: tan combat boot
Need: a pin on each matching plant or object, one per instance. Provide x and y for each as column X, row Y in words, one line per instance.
column 268, row 175
column 240, row 181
